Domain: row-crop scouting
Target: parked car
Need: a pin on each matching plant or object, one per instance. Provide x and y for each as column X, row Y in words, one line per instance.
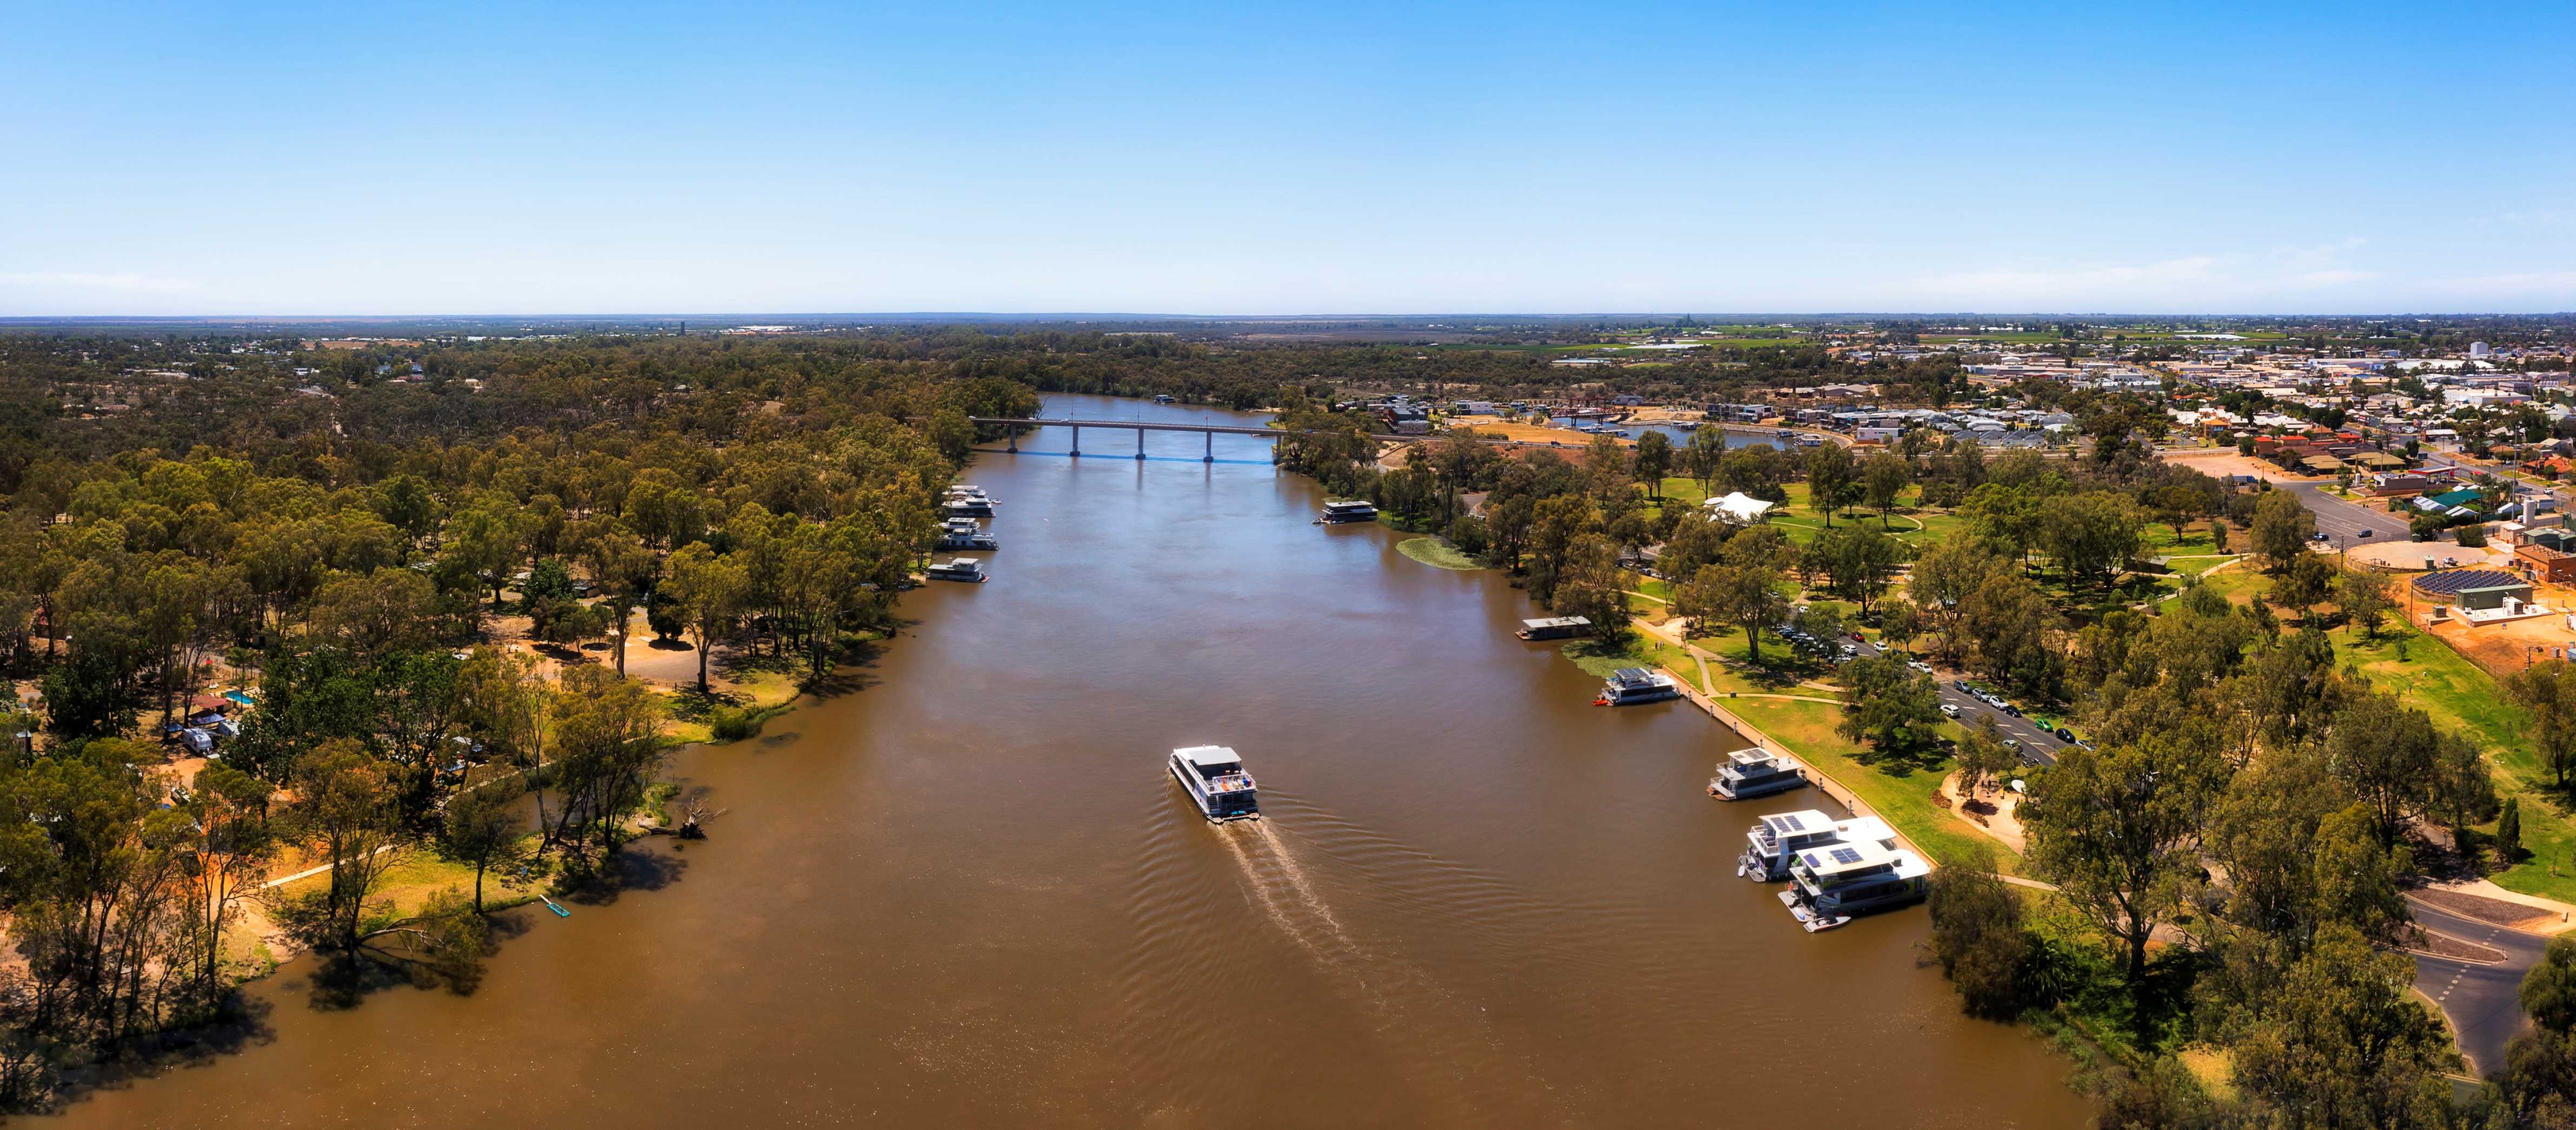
column 2065, row 735
column 2365, row 533
column 1950, row 709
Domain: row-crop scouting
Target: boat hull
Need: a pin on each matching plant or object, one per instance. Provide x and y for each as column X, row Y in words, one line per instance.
column 1723, row 791
column 1207, row 807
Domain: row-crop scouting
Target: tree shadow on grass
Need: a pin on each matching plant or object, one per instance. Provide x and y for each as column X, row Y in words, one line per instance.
column 1903, row 762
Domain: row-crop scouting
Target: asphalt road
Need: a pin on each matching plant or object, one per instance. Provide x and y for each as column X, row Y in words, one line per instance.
column 2482, row 1001
column 2344, row 521
column 2036, row 748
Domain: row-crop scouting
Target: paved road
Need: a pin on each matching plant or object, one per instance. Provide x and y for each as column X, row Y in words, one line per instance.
column 2036, row 748
column 2481, row 1000
column 2342, row 520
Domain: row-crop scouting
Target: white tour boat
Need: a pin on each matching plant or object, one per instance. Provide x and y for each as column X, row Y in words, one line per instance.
column 1213, row 776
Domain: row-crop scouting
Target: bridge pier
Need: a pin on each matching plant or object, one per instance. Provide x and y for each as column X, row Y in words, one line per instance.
column 1077, row 441
column 1210, row 457
column 1140, row 445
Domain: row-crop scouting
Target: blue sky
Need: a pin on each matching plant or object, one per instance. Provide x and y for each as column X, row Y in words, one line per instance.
column 312, row 158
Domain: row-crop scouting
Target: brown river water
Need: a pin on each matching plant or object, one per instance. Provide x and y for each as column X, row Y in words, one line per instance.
column 971, row 894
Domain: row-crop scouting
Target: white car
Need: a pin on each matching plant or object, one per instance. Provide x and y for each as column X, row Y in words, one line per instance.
column 1950, row 710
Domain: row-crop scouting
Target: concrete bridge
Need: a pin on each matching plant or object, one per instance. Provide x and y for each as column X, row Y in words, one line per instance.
column 1211, row 431
column 1140, row 427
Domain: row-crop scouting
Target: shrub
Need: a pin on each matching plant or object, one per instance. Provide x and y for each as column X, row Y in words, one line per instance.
column 733, row 724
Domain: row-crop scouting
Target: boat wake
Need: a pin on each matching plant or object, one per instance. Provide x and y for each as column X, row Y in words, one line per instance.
column 1456, row 1066
column 1285, row 894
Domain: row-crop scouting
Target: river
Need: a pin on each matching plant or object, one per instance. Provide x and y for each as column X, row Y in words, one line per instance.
column 969, row 893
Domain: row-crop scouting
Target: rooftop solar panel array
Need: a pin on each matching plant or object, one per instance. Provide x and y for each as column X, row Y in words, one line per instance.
column 2464, row 580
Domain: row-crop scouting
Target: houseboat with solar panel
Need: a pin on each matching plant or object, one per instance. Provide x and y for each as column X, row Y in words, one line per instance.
column 1340, row 510
column 1629, row 686
column 1776, row 839
column 965, row 569
column 1216, row 782
column 1750, row 773
column 1833, row 884
column 963, row 533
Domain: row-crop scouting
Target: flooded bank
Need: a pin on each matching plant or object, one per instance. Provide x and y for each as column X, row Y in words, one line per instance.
column 969, row 892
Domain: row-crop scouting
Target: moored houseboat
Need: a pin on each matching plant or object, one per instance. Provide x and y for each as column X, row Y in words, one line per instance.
column 1775, row 839
column 965, row 569
column 1749, row 773
column 951, row 540
column 1555, row 628
column 1337, row 511
column 1833, row 884
column 1629, row 686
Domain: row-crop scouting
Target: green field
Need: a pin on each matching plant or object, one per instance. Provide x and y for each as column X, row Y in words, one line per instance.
column 1797, row 517
column 2461, row 697
column 1436, row 552
column 1901, row 792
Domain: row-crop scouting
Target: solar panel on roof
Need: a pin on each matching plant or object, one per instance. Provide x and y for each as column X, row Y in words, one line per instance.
column 1846, row 855
column 2464, row 580
column 1791, row 822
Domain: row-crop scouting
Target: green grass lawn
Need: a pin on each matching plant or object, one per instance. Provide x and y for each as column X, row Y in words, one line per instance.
column 1901, row 792
column 1797, row 517
column 2462, row 697
column 1436, row 552
column 2196, row 564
